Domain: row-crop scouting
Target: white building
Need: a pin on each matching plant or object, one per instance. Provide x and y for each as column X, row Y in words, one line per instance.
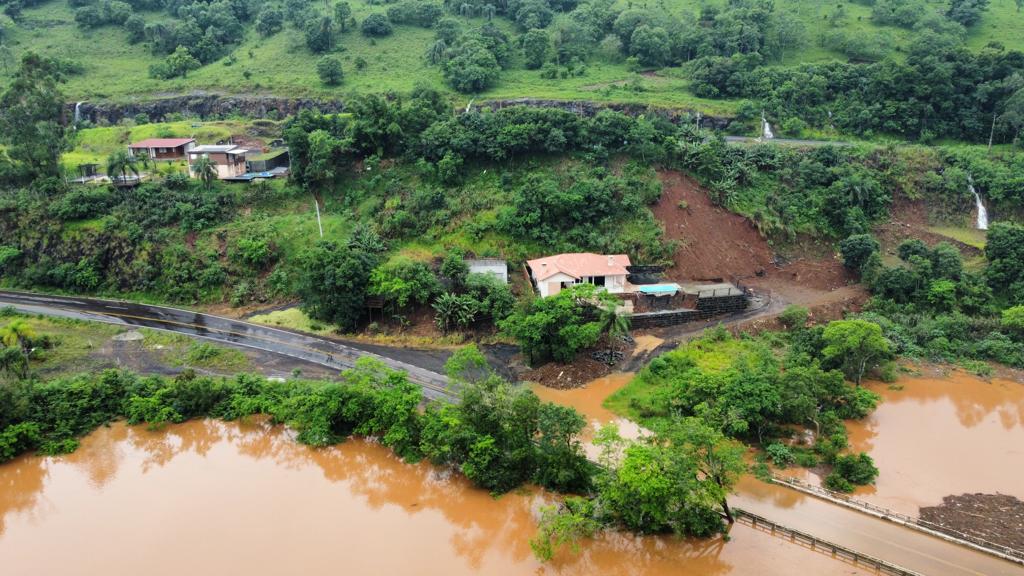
column 489, row 266
column 552, row 273
column 228, row 159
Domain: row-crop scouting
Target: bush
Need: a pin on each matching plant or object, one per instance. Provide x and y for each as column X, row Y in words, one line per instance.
column 857, row 469
column 329, row 70
column 857, row 249
column 780, row 455
column 376, row 25
column 794, row 317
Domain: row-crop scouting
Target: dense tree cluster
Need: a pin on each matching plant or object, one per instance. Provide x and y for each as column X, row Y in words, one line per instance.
column 930, row 306
column 940, row 91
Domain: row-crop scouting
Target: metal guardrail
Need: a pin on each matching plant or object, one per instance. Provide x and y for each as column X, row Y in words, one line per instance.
column 824, row 546
column 980, row 544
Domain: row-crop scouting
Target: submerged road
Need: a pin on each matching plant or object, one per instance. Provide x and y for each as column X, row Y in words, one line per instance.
column 219, row 329
column 913, row 550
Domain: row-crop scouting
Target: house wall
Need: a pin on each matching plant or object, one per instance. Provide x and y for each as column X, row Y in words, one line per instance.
column 553, row 285
column 499, row 270
column 164, row 153
column 228, row 165
column 613, row 284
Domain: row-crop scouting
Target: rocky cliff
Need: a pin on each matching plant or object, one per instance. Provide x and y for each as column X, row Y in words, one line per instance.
column 212, row 106
column 205, row 106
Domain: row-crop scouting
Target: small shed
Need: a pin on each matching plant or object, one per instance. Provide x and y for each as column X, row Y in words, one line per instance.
column 494, row 266
column 267, row 161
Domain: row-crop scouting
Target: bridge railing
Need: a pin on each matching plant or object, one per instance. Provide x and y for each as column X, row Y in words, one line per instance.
column 824, row 546
column 981, row 544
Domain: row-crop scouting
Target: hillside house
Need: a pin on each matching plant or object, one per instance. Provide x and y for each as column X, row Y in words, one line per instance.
column 229, row 159
column 162, row 148
column 553, row 273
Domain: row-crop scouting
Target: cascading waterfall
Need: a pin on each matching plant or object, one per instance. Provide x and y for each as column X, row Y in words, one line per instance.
column 78, row 112
column 766, row 128
column 982, row 223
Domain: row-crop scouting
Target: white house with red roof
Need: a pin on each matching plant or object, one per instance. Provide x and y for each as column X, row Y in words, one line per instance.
column 162, row 148
column 553, row 273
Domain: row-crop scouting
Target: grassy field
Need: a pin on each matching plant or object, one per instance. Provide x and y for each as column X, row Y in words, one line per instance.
column 182, row 351
column 282, row 65
column 74, row 341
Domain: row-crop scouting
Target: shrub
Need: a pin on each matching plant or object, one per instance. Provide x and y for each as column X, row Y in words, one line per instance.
column 329, row 70
column 794, row 317
column 857, row 249
column 779, row 454
column 858, row 469
column 376, row 25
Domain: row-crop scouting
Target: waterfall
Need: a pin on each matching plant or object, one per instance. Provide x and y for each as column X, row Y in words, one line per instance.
column 766, row 128
column 78, row 112
column 982, row 223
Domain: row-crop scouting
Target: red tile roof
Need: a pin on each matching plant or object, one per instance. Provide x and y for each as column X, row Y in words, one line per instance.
column 162, row 143
column 579, row 265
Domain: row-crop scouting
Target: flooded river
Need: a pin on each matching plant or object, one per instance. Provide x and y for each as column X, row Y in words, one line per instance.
column 206, row 497
column 209, row 497
column 861, row 532
column 932, row 437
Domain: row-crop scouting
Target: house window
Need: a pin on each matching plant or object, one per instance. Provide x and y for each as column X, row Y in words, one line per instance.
column 598, row 280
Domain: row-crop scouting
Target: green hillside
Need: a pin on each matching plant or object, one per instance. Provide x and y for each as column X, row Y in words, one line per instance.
column 283, row 65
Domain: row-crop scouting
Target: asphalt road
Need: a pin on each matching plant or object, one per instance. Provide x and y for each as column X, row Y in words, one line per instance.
column 321, row 351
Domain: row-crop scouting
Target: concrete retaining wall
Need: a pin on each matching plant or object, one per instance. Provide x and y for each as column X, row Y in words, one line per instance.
column 706, row 309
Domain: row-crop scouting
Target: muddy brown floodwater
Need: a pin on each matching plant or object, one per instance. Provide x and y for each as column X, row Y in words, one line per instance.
column 208, row 497
column 932, row 437
column 866, row 534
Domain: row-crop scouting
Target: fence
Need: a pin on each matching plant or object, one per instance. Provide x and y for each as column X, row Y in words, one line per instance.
column 837, row 551
column 720, row 292
column 949, row 534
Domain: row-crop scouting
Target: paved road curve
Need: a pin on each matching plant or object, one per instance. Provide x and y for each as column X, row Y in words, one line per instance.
column 310, row 348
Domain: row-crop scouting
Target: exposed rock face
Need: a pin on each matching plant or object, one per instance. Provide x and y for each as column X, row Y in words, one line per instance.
column 205, row 106
column 210, row 106
column 589, row 108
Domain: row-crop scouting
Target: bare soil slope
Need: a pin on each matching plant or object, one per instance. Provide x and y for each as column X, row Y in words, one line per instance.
column 713, row 242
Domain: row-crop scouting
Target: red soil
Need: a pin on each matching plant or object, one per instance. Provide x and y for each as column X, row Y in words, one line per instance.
column 713, row 242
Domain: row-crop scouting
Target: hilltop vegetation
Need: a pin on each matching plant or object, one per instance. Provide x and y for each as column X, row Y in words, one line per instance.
column 911, row 68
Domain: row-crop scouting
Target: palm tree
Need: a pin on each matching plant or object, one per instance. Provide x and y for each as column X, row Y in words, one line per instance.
column 18, row 334
column 489, row 11
column 205, row 169
column 613, row 324
column 437, row 52
column 122, row 163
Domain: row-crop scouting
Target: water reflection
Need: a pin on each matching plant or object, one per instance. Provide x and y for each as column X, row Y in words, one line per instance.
column 932, row 437
column 206, row 496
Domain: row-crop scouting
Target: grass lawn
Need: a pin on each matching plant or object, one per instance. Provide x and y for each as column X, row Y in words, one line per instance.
column 73, row 341
column 969, row 236
column 282, row 65
column 179, row 350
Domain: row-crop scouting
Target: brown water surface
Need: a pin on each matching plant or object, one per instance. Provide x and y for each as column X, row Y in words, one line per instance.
column 931, row 437
column 588, row 400
column 208, row 497
column 861, row 532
